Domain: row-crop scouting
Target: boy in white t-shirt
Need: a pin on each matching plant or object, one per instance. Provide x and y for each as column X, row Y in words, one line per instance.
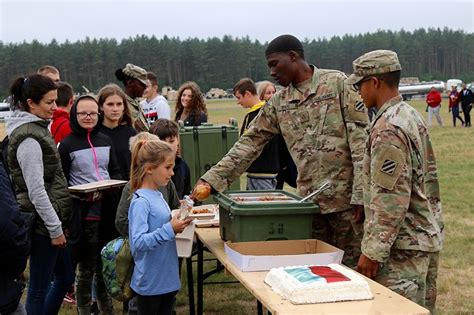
column 154, row 105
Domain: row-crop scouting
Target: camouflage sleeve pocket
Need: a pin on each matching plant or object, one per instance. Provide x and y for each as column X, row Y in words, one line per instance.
column 388, row 166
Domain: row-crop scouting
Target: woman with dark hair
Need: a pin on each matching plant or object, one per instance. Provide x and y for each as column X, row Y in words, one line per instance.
column 88, row 156
column 190, row 106
column 135, row 81
column 41, row 191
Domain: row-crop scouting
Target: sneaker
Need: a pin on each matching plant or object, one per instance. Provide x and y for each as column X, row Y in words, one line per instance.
column 69, row 298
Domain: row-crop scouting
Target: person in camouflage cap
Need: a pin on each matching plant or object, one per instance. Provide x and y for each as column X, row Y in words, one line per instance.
column 323, row 123
column 403, row 230
column 135, row 81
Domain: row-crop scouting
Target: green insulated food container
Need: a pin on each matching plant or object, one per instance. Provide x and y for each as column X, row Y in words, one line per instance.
column 264, row 215
column 203, row 146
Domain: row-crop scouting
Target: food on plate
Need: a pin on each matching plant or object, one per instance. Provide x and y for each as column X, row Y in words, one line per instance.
column 201, row 211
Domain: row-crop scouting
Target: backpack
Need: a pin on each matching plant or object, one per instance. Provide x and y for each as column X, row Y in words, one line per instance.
column 117, row 268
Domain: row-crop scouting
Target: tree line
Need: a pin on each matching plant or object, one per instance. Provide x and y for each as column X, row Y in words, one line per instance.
column 219, row 62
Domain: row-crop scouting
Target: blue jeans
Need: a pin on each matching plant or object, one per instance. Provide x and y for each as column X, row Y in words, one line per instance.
column 46, row 260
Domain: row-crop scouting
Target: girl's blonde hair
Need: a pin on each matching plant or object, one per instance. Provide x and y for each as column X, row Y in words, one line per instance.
column 146, row 153
column 262, row 87
column 139, row 137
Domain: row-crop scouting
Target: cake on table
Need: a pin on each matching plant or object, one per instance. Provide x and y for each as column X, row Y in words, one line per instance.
column 318, row 284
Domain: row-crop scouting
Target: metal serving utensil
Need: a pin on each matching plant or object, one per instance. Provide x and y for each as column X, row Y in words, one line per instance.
column 321, row 188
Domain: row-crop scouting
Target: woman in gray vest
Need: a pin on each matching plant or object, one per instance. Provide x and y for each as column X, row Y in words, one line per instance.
column 41, row 191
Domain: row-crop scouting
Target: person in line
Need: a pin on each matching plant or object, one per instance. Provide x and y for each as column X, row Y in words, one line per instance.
column 403, row 230
column 50, row 71
column 88, row 156
column 262, row 173
column 466, row 98
column 168, row 131
column 453, row 96
column 60, row 128
column 154, row 105
column 135, row 81
column 14, row 246
column 323, row 123
column 433, row 99
column 190, row 106
column 121, row 220
column 41, row 191
column 117, row 124
column 152, row 230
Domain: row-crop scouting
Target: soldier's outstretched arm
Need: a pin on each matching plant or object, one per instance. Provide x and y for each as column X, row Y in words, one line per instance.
column 245, row 150
column 356, row 120
column 389, row 193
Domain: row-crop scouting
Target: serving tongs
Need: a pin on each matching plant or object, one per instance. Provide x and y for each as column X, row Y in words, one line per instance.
column 321, row 188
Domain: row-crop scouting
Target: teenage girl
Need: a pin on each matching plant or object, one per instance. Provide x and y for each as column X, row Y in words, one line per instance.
column 152, row 230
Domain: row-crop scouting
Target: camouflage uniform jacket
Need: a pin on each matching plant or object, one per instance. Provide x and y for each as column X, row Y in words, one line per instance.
column 401, row 190
column 324, row 129
column 138, row 117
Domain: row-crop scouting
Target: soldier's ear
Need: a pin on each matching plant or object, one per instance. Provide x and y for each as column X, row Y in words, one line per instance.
column 293, row 55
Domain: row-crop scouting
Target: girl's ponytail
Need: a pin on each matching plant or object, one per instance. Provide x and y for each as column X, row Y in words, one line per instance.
column 136, row 176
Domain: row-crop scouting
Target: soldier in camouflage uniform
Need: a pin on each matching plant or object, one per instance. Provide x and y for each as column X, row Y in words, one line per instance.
column 135, row 81
column 323, row 123
column 403, row 231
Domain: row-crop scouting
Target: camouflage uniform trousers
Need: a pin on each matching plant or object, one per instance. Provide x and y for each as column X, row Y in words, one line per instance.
column 340, row 230
column 90, row 268
column 412, row 274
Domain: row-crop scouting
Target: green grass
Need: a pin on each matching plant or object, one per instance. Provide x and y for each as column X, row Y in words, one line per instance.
column 454, row 149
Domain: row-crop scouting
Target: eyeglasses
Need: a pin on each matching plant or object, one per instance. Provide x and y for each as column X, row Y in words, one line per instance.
column 358, row 84
column 83, row 115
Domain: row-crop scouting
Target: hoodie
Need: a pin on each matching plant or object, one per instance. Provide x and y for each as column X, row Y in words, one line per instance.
column 87, row 156
column 60, row 128
column 30, row 159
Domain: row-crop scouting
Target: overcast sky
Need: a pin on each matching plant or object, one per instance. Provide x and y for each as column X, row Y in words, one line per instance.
column 22, row 20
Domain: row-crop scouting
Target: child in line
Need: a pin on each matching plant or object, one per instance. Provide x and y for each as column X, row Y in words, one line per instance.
column 152, row 230
column 168, row 131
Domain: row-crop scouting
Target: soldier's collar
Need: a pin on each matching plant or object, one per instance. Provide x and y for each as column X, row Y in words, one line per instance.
column 394, row 100
column 295, row 94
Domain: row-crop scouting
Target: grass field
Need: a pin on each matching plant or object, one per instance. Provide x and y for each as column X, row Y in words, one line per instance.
column 454, row 149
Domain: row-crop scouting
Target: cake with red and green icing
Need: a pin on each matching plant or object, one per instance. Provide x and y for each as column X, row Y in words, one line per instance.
column 318, row 284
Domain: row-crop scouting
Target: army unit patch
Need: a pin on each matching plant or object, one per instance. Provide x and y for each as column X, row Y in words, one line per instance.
column 389, row 164
column 360, row 107
column 389, row 167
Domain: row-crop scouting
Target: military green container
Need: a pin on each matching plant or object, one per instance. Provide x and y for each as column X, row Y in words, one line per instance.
column 264, row 215
column 203, row 146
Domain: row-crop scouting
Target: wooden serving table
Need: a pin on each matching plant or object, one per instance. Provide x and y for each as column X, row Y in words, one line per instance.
column 385, row 301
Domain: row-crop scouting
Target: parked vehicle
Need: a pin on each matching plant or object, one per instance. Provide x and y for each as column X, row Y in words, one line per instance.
column 409, row 90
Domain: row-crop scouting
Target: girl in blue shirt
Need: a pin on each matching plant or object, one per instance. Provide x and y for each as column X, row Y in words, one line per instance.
column 152, row 230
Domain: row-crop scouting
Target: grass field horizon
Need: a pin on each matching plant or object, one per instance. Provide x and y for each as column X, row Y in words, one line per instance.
column 454, row 149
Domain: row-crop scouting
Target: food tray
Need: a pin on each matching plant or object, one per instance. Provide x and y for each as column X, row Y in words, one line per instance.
column 96, row 186
column 205, row 212
column 267, row 197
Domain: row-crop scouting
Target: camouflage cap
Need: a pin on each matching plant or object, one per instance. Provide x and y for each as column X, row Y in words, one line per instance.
column 136, row 72
column 373, row 63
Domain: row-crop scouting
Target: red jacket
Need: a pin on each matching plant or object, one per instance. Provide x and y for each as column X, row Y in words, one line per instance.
column 60, row 128
column 433, row 99
column 453, row 98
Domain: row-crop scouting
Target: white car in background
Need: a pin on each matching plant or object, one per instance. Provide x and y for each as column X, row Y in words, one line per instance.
column 4, row 110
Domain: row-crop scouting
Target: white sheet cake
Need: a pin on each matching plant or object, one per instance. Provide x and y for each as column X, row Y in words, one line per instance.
column 318, row 284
